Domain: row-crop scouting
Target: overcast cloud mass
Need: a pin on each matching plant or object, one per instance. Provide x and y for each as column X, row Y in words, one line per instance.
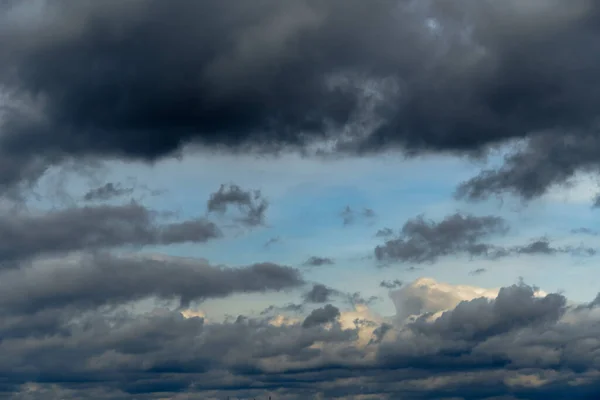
column 351, row 199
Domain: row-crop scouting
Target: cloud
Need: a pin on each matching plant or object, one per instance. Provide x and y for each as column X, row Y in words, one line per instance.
column 266, row 79
column 384, row 232
column 545, row 161
column 250, row 203
column 514, row 307
column 319, row 294
column 107, row 192
column 321, row 316
column 89, row 282
column 357, row 298
column 584, row 231
column 244, row 90
column 272, row 241
column 349, row 215
column 425, row 241
column 475, row 344
column 316, row 261
column 27, row 235
column 478, row 271
column 544, row 247
column 391, row 284
column 425, row 295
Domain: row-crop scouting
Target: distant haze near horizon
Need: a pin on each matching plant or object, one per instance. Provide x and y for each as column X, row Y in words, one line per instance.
column 299, row 199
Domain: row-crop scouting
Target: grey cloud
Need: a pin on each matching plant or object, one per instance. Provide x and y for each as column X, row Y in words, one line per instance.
column 541, row 246
column 294, row 308
column 350, row 215
column 27, row 235
column 384, row 232
column 515, row 307
column 533, row 347
column 319, row 293
column 545, row 161
column 90, row 282
column 358, row 299
column 271, row 242
column 422, row 241
column 478, row 271
column 347, row 215
column 320, row 316
column 396, row 283
column 250, row 203
column 544, row 247
column 368, row 213
column 316, row 261
column 412, row 76
column 107, row 192
column 584, row 231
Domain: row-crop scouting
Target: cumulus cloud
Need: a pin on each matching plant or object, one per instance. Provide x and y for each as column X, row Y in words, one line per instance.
column 458, row 347
column 426, row 295
column 321, row 316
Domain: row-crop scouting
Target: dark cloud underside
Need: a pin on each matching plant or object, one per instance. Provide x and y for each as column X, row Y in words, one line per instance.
column 94, row 281
column 462, row 354
column 140, row 79
column 92, row 228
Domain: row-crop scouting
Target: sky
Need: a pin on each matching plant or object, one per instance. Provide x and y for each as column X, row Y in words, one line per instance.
column 393, row 199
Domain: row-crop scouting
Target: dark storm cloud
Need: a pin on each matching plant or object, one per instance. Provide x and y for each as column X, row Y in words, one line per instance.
column 531, row 346
column 423, row 241
column 250, row 203
column 316, row 261
column 396, row 283
column 140, row 79
column 28, row 235
column 545, row 160
column 319, row 293
column 106, row 192
column 321, row 315
column 93, row 281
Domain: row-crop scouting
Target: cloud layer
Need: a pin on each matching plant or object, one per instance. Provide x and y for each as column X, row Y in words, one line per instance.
column 517, row 341
column 429, row 76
